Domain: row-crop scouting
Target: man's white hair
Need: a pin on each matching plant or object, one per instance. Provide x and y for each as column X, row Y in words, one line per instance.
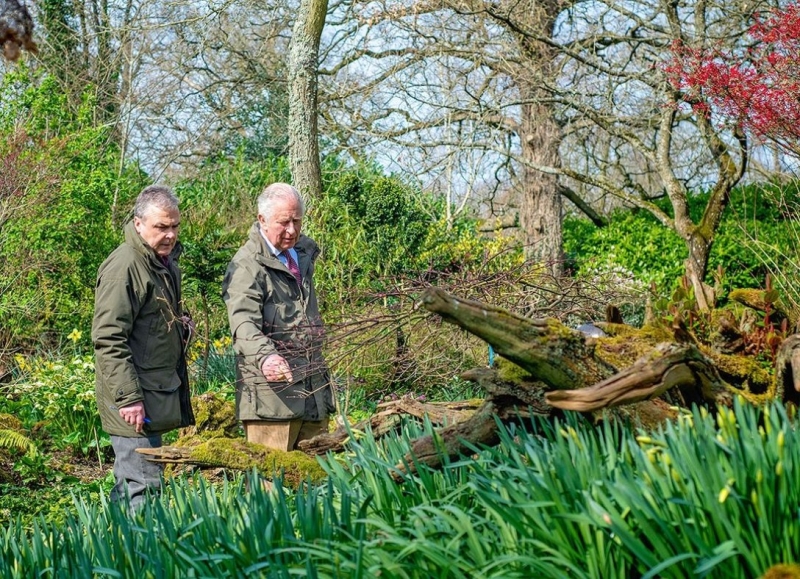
column 266, row 201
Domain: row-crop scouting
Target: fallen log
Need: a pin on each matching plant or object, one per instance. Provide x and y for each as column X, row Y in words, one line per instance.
column 563, row 370
column 671, row 366
column 388, row 418
column 294, row 467
column 546, row 368
column 555, row 354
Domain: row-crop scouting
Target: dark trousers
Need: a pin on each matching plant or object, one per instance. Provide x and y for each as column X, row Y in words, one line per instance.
column 132, row 472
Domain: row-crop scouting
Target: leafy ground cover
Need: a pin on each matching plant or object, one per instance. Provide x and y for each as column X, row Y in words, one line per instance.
column 707, row 496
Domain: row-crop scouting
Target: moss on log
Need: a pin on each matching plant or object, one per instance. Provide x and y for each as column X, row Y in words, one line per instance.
column 553, row 353
column 238, row 454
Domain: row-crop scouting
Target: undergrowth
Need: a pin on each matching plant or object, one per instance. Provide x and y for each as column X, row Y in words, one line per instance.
column 707, row 496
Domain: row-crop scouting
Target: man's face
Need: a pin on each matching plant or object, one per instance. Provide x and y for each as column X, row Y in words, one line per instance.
column 282, row 229
column 159, row 228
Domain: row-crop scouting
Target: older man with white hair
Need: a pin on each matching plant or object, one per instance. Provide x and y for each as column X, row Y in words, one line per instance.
column 283, row 389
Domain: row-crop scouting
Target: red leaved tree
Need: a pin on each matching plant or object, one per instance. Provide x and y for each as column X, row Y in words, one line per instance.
column 756, row 86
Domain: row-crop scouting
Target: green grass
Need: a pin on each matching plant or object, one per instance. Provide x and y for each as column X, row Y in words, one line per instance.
column 706, row 496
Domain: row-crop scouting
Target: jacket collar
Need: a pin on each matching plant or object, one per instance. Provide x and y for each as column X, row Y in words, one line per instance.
column 305, row 247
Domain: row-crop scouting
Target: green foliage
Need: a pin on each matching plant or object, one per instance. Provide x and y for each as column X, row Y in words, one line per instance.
column 72, row 219
column 212, row 366
column 376, row 230
column 54, row 502
column 704, row 496
column 389, row 212
column 635, row 240
column 13, row 440
column 58, row 396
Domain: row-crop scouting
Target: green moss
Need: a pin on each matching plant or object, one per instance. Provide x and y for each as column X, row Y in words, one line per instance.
column 748, row 376
column 621, row 351
column 556, row 329
column 782, row 571
column 753, row 298
column 617, row 329
column 239, row 454
column 510, row 372
column 214, row 417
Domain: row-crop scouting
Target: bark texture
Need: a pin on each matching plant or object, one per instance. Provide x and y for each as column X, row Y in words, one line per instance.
column 303, row 56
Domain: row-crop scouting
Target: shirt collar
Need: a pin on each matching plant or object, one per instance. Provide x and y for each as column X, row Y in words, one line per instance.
column 273, row 250
column 271, row 247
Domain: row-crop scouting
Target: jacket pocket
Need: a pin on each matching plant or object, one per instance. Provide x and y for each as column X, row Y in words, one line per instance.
column 162, row 401
column 278, row 401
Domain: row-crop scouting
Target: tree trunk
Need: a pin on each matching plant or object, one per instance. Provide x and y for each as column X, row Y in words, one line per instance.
column 540, row 206
column 303, row 57
column 697, row 268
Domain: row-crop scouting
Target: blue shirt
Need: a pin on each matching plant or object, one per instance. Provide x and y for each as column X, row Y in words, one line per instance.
column 278, row 254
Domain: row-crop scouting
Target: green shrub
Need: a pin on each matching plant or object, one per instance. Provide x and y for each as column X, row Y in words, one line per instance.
column 73, row 206
column 635, row 240
column 57, row 396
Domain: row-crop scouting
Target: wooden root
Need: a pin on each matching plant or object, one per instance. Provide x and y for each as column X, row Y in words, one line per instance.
column 388, row 418
column 676, row 366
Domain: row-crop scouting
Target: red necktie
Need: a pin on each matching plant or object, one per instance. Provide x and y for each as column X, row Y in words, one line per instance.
column 292, row 265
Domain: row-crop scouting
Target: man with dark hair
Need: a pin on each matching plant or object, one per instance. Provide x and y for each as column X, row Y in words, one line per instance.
column 283, row 390
column 140, row 332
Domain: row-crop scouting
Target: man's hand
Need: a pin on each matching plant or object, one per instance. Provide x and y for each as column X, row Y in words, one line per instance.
column 276, row 369
column 134, row 415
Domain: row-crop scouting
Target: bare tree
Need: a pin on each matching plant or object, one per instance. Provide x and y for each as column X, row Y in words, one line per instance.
column 567, row 98
column 648, row 140
column 449, row 90
column 212, row 80
column 177, row 81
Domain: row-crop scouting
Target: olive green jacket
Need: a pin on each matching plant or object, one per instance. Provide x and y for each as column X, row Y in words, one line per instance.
column 270, row 314
column 138, row 339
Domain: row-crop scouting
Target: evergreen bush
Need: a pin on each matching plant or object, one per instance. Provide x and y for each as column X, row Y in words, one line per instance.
column 635, row 240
